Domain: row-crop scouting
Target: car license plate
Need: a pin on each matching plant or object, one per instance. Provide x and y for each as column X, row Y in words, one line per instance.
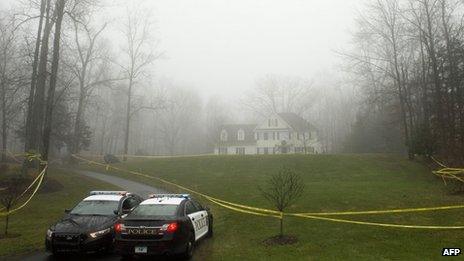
column 141, row 250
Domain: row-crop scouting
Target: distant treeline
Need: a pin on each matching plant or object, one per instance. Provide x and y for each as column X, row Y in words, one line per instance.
column 409, row 61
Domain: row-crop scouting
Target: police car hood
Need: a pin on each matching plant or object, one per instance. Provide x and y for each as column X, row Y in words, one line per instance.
column 83, row 223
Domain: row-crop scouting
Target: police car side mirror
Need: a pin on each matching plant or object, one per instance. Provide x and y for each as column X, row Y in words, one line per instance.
column 67, row 211
column 116, row 212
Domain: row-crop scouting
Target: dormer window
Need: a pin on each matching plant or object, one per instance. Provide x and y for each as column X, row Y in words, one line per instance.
column 223, row 135
column 240, row 135
column 272, row 122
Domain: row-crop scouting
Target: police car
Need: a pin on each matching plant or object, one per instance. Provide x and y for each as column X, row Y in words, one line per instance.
column 164, row 224
column 88, row 227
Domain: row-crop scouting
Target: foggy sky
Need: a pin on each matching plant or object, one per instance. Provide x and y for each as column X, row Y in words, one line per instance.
column 221, row 47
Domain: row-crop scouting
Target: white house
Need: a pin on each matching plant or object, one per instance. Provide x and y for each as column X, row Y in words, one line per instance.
column 280, row 133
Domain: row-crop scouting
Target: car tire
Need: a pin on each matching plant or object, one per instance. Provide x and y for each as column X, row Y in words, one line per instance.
column 210, row 228
column 189, row 248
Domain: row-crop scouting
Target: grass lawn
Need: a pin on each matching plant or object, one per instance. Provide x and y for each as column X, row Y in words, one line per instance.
column 333, row 183
column 32, row 221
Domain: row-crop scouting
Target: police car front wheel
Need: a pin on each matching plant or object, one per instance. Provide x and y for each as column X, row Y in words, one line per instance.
column 210, row 228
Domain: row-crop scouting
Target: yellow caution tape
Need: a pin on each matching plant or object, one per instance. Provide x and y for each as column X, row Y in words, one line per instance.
column 448, row 173
column 375, row 224
column 40, row 179
column 148, row 156
column 276, row 214
column 30, row 157
column 389, row 211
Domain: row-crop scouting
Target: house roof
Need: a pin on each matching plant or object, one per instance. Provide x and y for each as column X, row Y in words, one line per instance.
column 232, row 130
column 296, row 122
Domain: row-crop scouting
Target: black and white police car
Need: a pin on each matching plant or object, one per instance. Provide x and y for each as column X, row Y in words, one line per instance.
column 164, row 224
column 88, row 227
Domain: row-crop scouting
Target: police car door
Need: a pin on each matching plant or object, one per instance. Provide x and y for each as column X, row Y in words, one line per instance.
column 204, row 220
column 195, row 217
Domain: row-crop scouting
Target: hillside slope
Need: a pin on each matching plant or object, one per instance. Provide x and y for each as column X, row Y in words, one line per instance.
column 333, row 183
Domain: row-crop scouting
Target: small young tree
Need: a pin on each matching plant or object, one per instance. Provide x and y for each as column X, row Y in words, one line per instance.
column 283, row 189
column 11, row 189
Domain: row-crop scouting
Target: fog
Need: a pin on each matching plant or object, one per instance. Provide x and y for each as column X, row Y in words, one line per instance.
column 222, row 47
column 163, row 77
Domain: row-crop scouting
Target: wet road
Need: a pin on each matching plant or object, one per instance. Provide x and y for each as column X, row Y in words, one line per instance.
column 136, row 187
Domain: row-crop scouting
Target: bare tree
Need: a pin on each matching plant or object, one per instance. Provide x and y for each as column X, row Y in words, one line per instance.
column 283, row 190
column 59, row 9
column 89, row 69
column 178, row 117
column 13, row 187
column 275, row 94
column 407, row 59
column 12, row 79
column 217, row 114
column 141, row 53
column 30, row 137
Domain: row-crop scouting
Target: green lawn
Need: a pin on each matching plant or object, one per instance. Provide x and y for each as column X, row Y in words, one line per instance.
column 32, row 221
column 333, row 183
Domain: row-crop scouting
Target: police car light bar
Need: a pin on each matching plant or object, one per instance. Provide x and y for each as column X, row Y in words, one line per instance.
column 169, row 196
column 97, row 192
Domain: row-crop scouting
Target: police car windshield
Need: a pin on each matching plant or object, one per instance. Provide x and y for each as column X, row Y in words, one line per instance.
column 155, row 210
column 95, row 207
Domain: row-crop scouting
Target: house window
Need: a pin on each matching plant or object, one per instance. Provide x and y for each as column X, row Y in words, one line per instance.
column 223, row 135
column 241, row 135
column 222, row 151
column 274, row 136
column 278, row 135
column 276, row 122
column 266, row 136
column 269, row 122
column 240, row 151
column 266, row 150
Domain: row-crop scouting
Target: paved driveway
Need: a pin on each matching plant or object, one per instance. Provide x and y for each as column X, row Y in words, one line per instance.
column 136, row 187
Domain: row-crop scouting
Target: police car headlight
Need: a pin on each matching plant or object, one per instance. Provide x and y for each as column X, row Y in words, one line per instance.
column 100, row 233
column 49, row 233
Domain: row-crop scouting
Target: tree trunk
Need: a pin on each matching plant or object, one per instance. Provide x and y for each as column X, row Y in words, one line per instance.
column 401, row 92
column 39, row 98
column 281, row 227
column 103, row 135
column 453, row 85
column 30, row 102
column 77, row 123
column 4, row 120
column 436, row 76
column 128, row 116
column 51, row 90
column 7, row 220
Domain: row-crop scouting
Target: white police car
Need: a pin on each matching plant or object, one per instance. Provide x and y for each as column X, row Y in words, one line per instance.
column 164, row 224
